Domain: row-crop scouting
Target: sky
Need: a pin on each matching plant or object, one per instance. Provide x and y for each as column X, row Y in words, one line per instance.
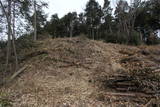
column 62, row 7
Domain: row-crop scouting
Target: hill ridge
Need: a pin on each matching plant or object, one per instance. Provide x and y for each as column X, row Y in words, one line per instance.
column 77, row 71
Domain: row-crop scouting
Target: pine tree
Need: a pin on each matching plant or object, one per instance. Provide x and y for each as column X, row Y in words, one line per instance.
column 107, row 16
column 93, row 14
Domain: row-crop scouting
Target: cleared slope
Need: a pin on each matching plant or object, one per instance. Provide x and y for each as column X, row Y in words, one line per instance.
column 81, row 72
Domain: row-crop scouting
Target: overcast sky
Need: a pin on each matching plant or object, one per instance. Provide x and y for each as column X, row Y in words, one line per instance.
column 62, row 7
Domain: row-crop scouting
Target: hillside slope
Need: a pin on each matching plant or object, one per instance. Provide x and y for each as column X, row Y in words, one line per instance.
column 77, row 72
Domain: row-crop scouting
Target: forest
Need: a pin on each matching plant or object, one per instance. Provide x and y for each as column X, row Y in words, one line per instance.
column 134, row 23
column 107, row 56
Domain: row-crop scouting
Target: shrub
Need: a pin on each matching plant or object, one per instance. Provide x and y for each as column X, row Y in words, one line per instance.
column 115, row 37
column 2, row 44
column 25, row 41
column 135, row 38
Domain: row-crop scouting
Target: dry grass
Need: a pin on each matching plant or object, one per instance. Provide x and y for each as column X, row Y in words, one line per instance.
column 71, row 72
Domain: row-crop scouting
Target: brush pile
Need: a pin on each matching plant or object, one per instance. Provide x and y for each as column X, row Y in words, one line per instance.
column 136, row 81
column 141, row 74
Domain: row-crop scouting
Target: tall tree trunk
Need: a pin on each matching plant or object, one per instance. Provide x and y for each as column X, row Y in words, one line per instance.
column 35, row 21
column 71, row 29
column 93, row 33
column 97, row 33
column 141, row 37
column 110, row 29
column 8, row 17
column 90, row 32
column 9, row 25
column 9, row 34
column 13, row 37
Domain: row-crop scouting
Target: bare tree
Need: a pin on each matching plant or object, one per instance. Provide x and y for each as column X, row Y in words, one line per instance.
column 133, row 13
column 13, row 35
column 8, row 18
column 127, row 15
column 8, row 15
column 35, row 21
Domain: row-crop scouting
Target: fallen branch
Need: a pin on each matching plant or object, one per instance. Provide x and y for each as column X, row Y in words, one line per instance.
column 129, row 94
column 17, row 73
column 34, row 54
column 7, row 80
column 156, row 71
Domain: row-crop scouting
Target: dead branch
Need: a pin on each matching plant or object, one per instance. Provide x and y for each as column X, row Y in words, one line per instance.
column 129, row 94
column 17, row 73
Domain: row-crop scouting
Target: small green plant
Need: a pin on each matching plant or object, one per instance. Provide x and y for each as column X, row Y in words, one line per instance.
column 5, row 103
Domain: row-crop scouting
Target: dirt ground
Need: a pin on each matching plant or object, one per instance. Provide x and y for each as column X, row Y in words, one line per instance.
column 78, row 72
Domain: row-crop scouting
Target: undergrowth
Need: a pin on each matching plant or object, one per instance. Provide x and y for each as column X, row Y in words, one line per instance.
column 4, row 102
